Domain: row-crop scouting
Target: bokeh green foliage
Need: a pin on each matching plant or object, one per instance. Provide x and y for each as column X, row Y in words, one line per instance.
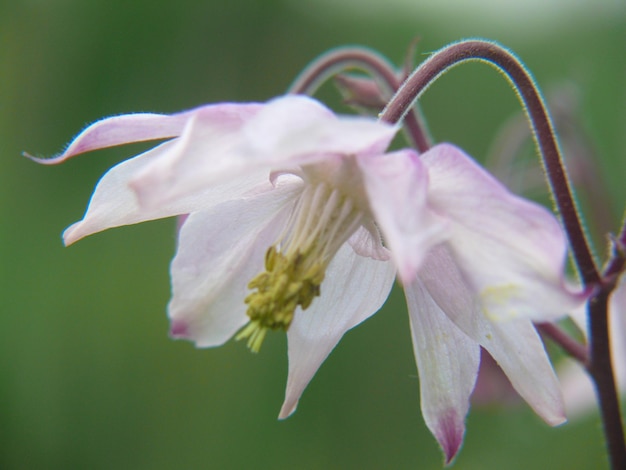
column 88, row 377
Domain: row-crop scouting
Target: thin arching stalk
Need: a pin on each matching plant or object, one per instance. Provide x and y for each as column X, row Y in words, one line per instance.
column 599, row 364
column 375, row 65
column 478, row 50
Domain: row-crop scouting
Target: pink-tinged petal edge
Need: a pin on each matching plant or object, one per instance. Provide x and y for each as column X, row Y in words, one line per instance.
column 366, row 241
column 288, row 132
column 397, row 188
column 514, row 344
column 142, row 127
column 179, row 329
column 449, row 433
column 511, row 250
column 447, row 363
column 119, row 130
column 294, row 126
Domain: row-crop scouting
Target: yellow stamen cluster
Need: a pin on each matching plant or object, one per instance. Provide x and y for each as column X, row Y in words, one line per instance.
column 286, row 283
column 322, row 220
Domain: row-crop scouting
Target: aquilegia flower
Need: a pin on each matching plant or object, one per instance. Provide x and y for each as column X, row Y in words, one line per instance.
column 299, row 221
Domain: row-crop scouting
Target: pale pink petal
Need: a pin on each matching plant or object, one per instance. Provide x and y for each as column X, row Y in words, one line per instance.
column 129, row 128
column 220, row 251
column 514, row 343
column 447, row 362
column 353, row 290
column 286, row 133
column 397, row 187
column 519, row 351
column 119, row 130
column 299, row 126
column 114, row 203
column 202, row 148
column 366, row 241
column 511, row 251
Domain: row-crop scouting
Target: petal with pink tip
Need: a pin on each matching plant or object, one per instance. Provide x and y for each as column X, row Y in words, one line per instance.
column 513, row 343
column 447, row 362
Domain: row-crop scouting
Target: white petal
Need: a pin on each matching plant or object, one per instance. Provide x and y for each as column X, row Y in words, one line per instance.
column 519, row 351
column 119, row 130
column 220, row 251
column 199, row 159
column 514, row 344
column 447, row 362
column 296, row 126
column 140, row 127
column 366, row 241
column 354, row 289
column 114, row 203
column 288, row 132
column 397, row 188
column 512, row 251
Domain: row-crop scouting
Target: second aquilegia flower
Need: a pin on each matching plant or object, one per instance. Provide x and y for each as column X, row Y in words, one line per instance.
column 298, row 221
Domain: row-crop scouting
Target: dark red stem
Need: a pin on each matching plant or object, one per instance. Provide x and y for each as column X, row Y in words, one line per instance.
column 543, row 131
column 338, row 60
column 601, row 371
column 599, row 364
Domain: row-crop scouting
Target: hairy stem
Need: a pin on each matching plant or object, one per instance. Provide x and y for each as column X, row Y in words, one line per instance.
column 339, row 60
column 599, row 364
column 601, row 371
column 478, row 50
column 600, row 367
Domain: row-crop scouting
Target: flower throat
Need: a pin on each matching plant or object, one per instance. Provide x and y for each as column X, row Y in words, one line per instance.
column 322, row 220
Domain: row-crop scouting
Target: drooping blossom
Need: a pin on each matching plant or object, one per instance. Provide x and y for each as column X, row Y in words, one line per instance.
column 299, row 220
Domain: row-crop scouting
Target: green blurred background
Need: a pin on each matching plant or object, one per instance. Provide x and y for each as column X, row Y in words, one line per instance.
column 88, row 376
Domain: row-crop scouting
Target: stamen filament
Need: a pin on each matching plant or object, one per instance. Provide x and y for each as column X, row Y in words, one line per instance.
column 322, row 220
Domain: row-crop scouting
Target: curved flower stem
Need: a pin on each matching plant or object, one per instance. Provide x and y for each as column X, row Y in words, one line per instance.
column 601, row 372
column 599, row 365
column 542, row 127
column 338, row 60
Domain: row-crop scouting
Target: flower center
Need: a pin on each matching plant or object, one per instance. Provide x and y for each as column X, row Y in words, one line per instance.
column 322, row 220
